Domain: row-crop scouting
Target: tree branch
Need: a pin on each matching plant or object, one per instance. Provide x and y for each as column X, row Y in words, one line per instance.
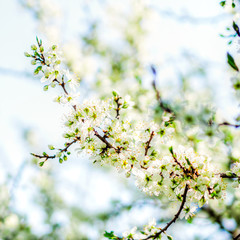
column 116, row 100
column 46, row 156
column 104, row 140
column 162, row 105
column 229, row 124
column 184, row 196
column 237, row 237
column 148, row 143
column 230, row 176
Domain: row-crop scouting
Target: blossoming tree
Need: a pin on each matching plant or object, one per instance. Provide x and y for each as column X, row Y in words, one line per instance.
column 149, row 141
column 172, row 142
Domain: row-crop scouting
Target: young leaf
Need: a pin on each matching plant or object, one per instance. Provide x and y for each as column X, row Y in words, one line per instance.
column 222, row 3
column 236, row 28
column 231, row 62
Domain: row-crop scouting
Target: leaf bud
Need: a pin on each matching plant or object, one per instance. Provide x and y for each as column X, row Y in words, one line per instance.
column 34, row 47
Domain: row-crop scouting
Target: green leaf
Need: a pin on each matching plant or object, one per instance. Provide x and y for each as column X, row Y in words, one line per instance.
column 41, row 49
column 45, row 88
column 236, row 28
column 41, row 164
column 190, row 220
column 171, row 150
column 114, row 93
column 110, row 235
column 222, row 3
column 125, row 105
column 51, row 147
column 27, row 54
column 139, row 80
column 54, row 47
column 231, row 62
column 34, row 47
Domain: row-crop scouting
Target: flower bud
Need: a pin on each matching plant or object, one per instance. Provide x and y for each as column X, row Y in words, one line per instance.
column 45, row 88
column 51, row 147
column 54, row 47
column 34, row 47
column 33, row 62
column 27, row 54
column 53, row 85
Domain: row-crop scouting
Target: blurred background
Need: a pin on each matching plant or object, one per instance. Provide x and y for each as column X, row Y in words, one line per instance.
column 111, row 45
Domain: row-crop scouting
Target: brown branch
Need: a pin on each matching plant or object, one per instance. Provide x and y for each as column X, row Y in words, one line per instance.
column 184, row 196
column 229, row 124
column 63, row 86
column 46, row 157
column 193, row 170
column 233, row 175
column 64, row 89
column 158, row 96
column 237, row 237
column 148, row 143
column 43, row 156
column 185, row 171
column 104, row 140
column 118, row 108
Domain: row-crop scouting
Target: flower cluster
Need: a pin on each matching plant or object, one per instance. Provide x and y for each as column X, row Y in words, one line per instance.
column 49, row 63
column 135, row 148
column 105, row 131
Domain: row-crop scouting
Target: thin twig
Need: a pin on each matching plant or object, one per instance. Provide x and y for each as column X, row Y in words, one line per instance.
column 46, row 157
column 104, row 140
column 184, row 196
column 230, row 176
column 148, row 143
column 158, row 96
column 118, row 108
column 185, row 171
column 229, row 124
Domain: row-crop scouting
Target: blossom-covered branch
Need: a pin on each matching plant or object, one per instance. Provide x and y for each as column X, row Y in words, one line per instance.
column 133, row 146
column 45, row 156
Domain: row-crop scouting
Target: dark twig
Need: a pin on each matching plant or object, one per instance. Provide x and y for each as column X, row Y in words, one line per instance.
column 162, row 105
column 230, row 176
column 185, row 171
column 118, row 108
column 104, row 140
column 148, row 143
column 46, row 156
column 237, row 237
column 229, row 124
column 184, row 197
